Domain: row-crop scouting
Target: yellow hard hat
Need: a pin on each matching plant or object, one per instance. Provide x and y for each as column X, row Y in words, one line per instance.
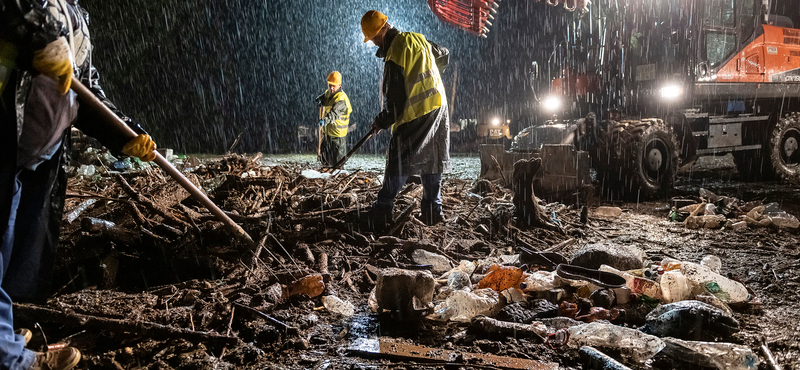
column 371, row 23
column 335, row 78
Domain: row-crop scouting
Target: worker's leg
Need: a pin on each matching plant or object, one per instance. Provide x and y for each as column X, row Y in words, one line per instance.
column 13, row 354
column 391, row 186
column 36, row 233
column 431, row 204
column 341, row 148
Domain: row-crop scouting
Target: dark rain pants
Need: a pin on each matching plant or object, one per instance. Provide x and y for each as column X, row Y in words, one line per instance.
column 431, row 194
column 333, row 150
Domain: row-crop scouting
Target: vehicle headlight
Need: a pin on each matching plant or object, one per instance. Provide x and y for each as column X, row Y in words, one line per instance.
column 551, row 103
column 495, row 121
column 671, row 92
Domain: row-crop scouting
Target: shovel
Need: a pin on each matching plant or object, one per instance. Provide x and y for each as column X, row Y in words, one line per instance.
column 87, row 97
column 319, row 138
column 344, row 159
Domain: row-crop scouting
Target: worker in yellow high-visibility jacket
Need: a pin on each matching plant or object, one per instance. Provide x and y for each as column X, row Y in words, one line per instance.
column 416, row 110
column 335, row 118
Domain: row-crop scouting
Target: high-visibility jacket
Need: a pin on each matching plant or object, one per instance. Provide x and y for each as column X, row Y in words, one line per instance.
column 424, row 87
column 336, row 114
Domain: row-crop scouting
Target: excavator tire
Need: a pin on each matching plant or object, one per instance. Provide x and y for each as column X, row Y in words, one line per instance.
column 785, row 148
column 636, row 159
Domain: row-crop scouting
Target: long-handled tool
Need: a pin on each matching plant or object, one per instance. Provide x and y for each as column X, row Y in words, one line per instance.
column 344, row 159
column 87, row 97
column 319, row 138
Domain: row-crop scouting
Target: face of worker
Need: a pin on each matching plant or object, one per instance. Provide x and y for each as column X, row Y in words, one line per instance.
column 334, row 88
column 378, row 39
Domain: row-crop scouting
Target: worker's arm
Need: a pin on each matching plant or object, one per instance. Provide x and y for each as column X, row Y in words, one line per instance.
column 92, row 122
column 441, row 56
column 394, row 89
column 337, row 111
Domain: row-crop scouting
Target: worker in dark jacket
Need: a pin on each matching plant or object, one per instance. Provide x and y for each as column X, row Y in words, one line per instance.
column 335, row 119
column 43, row 44
column 415, row 109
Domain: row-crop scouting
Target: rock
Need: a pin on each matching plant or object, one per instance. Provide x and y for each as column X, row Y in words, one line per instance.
column 440, row 264
column 404, row 291
column 693, row 320
column 618, row 256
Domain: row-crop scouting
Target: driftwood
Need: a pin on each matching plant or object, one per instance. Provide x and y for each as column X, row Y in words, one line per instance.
column 526, row 210
column 490, row 327
column 140, row 328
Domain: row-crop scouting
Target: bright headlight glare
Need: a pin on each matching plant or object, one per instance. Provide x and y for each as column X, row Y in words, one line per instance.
column 495, row 121
column 671, row 92
column 551, row 103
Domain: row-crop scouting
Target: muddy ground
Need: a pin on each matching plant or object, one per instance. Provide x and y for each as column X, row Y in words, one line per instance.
column 167, row 287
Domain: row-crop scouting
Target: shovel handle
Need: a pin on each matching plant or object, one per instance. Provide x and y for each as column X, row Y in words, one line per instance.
column 87, row 97
column 358, row 145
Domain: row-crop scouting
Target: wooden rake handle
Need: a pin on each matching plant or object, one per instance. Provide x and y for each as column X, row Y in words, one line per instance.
column 87, row 97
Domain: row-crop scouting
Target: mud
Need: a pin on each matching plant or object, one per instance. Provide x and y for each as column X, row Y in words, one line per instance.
column 186, row 295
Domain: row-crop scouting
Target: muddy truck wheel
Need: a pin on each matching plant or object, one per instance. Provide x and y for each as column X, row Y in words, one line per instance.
column 637, row 159
column 785, row 148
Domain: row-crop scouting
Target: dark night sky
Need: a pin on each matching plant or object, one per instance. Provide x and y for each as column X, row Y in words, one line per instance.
column 196, row 74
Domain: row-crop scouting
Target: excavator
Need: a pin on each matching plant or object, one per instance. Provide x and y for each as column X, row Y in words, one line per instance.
column 640, row 89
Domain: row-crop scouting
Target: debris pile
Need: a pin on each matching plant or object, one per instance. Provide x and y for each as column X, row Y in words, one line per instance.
column 151, row 279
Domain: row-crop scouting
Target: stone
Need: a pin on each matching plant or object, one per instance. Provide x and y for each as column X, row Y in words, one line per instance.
column 619, row 256
column 404, row 291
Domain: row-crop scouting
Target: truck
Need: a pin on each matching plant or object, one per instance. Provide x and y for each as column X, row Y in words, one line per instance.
column 645, row 87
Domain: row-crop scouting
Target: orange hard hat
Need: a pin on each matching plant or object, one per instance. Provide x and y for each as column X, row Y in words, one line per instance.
column 335, row 78
column 371, row 24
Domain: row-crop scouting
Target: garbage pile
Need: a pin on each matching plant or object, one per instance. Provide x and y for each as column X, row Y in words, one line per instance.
column 151, row 269
column 711, row 211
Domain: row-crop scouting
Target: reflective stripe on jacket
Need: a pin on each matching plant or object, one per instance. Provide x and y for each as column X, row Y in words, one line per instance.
column 423, row 84
column 337, row 127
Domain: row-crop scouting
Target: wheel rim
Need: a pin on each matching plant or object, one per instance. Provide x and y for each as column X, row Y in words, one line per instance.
column 656, row 160
column 790, row 152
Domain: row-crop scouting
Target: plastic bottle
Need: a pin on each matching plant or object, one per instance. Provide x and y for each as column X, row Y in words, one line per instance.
column 674, row 287
column 311, row 285
column 725, row 289
column 636, row 284
column 463, row 306
column 336, row 305
column 630, row 343
column 712, row 262
column 716, row 355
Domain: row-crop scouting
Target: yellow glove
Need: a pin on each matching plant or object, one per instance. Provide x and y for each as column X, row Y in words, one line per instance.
column 55, row 61
column 142, row 147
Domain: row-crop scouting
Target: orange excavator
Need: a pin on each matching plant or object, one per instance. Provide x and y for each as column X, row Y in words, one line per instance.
column 644, row 87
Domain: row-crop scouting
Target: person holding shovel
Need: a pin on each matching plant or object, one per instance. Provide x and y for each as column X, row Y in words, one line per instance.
column 416, row 110
column 43, row 44
column 334, row 120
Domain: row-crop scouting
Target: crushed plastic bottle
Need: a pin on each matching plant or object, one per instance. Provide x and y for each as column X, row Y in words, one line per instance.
column 630, row 343
column 712, row 262
column 462, row 306
column 311, row 285
column 674, row 287
column 725, row 289
column 86, row 170
column 539, row 281
column 636, row 284
column 780, row 218
column 717, row 355
column 336, row 305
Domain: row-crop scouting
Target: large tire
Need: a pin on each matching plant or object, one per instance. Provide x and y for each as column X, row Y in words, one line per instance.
column 637, row 159
column 785, row 148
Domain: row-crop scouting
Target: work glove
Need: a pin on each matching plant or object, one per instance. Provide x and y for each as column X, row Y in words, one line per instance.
column 55, row 61
column 321, row 123
column 318, row 100
column 142, row 147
